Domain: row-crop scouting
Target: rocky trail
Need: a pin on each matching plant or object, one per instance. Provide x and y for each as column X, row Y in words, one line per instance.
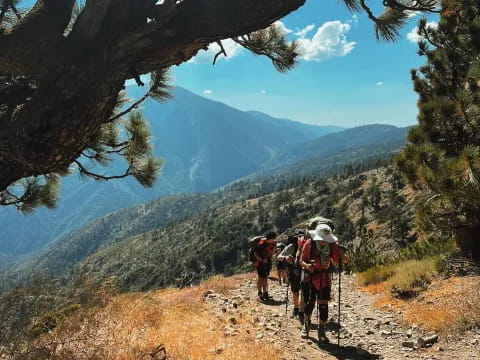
column 366, row 333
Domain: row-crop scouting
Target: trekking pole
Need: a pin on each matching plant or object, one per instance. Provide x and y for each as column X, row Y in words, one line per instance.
column 339, row 302
column 318, row 317
column 286, row 303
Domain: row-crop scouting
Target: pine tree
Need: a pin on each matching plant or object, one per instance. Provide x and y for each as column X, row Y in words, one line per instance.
column 442, row 159
column 63, row 64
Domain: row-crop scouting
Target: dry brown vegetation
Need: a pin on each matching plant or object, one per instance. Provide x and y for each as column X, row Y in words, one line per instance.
column 448, row 305
column 129, row 326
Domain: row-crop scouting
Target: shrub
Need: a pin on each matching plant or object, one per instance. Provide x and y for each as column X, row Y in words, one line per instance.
column 376, row 274
column 51, row 320
column 364, row 255
column 412, row 277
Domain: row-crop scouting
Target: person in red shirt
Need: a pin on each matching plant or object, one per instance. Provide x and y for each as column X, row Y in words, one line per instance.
column 319, row 254
column 263, row 254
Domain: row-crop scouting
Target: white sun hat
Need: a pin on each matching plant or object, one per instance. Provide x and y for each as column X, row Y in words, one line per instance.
column 323, row 232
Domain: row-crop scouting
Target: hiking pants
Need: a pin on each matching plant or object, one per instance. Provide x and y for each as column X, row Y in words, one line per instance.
column 312, row 294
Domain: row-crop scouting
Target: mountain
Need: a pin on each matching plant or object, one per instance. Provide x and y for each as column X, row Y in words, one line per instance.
column 324, row 157
column 205, row 144
column 329, row 154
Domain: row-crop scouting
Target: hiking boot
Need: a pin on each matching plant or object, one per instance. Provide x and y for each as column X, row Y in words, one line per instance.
column 267, row 297
column 294, row 313
column 301, row 317
column 260, row 297
column 322, row 336
column 305, row 330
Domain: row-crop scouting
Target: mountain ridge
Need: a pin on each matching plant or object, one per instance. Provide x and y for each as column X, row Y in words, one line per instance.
column 205, row 143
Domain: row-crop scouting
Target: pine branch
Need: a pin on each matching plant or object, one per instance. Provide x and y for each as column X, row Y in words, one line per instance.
column 273, row 45
column 86, row 172
column 222, row 51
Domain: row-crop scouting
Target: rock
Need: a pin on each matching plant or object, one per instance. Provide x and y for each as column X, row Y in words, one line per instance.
column 233, row 320
column 224, row 309
column 385, row 332
column 409, row 333
column 408, row 344
column 438, row 348
column 427, row 340
column 259, row 336
column 370, row 332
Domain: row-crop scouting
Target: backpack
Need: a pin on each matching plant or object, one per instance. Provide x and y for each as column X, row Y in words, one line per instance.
column 317, row 220
column 253, row 246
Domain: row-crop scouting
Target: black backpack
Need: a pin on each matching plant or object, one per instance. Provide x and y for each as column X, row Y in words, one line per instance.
column 253, row 246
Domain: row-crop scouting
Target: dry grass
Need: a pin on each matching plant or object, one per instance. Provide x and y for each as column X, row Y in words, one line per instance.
column 452, row 305
column 375, row 288
column 130, row 325
column 412, row 277
column 376, row 275
column 448, row 306
column 404, row 279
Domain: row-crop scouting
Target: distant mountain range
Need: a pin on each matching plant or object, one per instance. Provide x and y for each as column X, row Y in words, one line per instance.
column 205, row 144
column 321, row 158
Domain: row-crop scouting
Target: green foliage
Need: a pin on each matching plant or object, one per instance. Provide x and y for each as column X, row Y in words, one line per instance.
column 412, row 277
column 442, row 157
column 365, row 254
column 272, row 43
column 30, row 193
column 376, row 274
column 431, row 247
column 51, row 320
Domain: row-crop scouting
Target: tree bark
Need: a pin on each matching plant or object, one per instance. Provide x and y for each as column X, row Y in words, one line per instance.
column 77, row 77
column 468, row 240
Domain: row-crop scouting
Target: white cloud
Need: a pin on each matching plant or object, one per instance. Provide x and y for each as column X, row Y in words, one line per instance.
column 206, row 56
column 281, row 26
column 380, row 83
column 413, row 35
column 208, row 92
column 329, row 41
column 263, row 92
column 305, row 30
column 353, row 20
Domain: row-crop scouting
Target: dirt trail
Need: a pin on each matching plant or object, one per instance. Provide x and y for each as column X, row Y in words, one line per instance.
column 366, row 333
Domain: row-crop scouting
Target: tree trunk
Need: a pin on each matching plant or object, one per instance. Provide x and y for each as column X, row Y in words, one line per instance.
column 468, row 240
column 75, row 78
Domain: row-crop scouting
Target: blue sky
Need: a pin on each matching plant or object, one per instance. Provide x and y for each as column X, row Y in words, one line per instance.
column 362, row 81
column 352, row 79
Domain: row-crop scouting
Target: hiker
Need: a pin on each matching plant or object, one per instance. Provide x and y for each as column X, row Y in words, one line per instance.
column 281, row 265
column 263, row 255
column 288, row 255
column 320, row 253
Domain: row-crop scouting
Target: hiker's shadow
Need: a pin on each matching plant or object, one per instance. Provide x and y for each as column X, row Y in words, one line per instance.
column 273, row 302
column 348, row 352
column 345, row 352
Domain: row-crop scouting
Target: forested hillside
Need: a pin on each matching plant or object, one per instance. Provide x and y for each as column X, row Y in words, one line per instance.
column 204, row 144
column 362, row 206
column 212, row 239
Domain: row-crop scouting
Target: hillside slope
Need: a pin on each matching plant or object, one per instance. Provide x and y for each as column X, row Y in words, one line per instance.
column 205, row 144
column 216, row 241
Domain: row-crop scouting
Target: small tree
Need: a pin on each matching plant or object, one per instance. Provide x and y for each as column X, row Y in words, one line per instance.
column 442, row 159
